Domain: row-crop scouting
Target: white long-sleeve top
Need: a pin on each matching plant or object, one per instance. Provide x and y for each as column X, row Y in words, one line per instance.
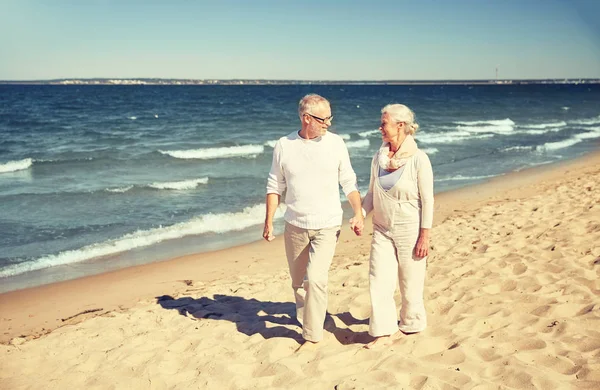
column 409, row 201
column 310, row 173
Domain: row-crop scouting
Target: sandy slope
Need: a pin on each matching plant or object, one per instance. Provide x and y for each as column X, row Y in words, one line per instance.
column 513, row 296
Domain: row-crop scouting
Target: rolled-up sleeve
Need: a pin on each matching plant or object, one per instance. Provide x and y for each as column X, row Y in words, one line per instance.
column 347, row 177
column 276, row 180
column 425, row 184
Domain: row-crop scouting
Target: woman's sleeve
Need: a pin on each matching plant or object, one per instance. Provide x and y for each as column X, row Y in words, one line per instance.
column 425, row 184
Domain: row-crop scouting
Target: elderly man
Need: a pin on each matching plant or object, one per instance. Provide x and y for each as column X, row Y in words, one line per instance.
column 309, row 165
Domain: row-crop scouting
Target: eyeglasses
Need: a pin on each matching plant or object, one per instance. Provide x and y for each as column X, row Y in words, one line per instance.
column 321, row 120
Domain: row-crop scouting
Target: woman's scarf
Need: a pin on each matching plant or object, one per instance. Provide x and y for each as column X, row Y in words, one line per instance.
column 407, row 149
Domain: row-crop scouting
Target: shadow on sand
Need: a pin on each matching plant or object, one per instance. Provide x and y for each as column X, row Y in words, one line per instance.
column 269, row 319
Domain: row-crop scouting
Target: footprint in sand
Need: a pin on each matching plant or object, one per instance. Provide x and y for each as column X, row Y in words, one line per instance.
column 519, row 269
column 542, row 311
column 509, row 285
column 526, row 345
column 488, row 354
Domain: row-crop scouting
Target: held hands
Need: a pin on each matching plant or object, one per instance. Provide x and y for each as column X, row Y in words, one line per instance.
column 268, row 232
column 357, row 224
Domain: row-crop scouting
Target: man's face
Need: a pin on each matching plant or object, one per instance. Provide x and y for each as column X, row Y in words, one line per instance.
column 319, row 120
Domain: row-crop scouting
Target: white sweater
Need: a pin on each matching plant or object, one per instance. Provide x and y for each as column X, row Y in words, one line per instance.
column 309, row 172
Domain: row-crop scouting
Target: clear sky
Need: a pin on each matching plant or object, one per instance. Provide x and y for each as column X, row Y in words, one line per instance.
column 304, row 39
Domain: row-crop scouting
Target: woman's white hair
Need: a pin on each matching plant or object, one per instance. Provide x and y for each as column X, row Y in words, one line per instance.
column 308, row 102
column 400, row 113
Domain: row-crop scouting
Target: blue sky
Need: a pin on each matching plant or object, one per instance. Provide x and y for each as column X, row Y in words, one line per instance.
column 307, row 40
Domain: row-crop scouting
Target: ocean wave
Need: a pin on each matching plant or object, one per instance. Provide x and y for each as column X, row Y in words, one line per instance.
column 577, row 138
column 363, row 143
column 271, row 143
column 18, row 165
column 119, row 189
column 448, row 137
column 464, row 178
column 495, row 122
column 214, row 153
column 430, row 150
column 208, row 223
column 559, row 144
column 590, row 121
column 66, row 160
column 545, row 125
column 179, row 185
column 168, row 185
column 502, row 126
column 366, row 134
column 513, row 148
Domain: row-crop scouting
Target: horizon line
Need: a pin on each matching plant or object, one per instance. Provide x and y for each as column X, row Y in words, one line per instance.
column 293, row 79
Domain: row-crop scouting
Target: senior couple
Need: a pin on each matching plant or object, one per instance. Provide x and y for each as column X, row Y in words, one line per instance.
column 309, row 166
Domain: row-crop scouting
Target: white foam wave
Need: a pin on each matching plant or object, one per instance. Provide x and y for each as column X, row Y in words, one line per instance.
column 577, row 138
column 543, row 128
column 133, row 118
column 590, row 121
column 450, row 136
column 213, row 153
column 502, row 126
column 13, row 166
column 566, row 108
column 120, row 189
column 271, row 143
column 512, row 148
column 216, row 223
column 560, row 144
column 500, row 122
column 594, row 133
column 464, row 178
column 366, row 134
column 430, row 150
column 545, row 125
column 169, row 185
column 363, row 143
column 179, row 185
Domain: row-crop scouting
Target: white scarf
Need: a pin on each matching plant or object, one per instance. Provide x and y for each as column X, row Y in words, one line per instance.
column 407, row 149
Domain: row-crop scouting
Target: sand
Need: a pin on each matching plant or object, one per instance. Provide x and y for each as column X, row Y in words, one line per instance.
column 512, row 295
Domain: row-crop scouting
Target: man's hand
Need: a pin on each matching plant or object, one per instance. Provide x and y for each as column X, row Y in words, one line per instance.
column 268, row 232
column 357, row 223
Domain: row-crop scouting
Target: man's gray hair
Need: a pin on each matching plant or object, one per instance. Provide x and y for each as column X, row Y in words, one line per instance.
column 400, row 113
column 310, row 101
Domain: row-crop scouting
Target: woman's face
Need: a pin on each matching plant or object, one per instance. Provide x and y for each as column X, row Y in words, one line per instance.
column 389, row 129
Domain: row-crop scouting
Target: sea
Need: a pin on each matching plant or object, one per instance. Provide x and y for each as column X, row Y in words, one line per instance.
column 100, row 177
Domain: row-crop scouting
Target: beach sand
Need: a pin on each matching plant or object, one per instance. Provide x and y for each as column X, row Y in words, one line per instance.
column 512, row 295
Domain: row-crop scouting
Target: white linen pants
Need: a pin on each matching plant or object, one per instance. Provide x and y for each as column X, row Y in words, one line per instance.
column 309, row 254
column 392, row 261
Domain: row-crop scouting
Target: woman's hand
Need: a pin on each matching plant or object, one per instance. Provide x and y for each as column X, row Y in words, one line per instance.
column 422, row 248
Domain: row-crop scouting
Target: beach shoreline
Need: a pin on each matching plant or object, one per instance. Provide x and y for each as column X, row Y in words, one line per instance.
column 171, row 274
column 512, row 295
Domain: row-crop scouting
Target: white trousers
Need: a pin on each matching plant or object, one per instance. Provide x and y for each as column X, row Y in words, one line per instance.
column 309, row 254
column 393, row 261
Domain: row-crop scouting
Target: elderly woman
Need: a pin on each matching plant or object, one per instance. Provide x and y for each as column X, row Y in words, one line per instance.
column 401, row 196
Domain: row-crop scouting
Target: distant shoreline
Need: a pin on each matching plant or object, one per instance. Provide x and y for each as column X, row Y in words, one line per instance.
column 159, row 81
